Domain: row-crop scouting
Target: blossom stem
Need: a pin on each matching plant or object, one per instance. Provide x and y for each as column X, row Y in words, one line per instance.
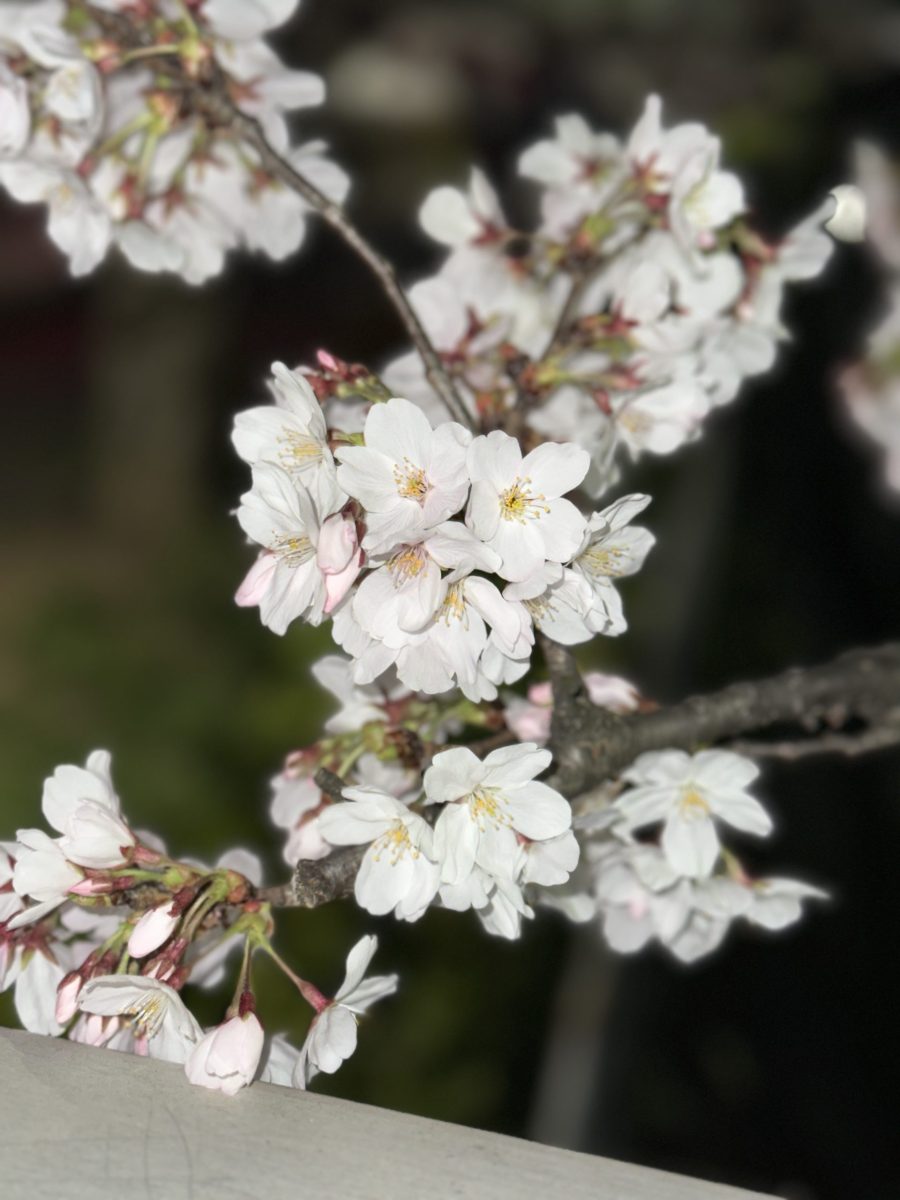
column 307, row 990
column 218, row 106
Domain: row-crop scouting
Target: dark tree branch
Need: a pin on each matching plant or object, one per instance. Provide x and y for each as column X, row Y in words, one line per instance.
column 318, row 881
column 592, row 745
column 849, row 745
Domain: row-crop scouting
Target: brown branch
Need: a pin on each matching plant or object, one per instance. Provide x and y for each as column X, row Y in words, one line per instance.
column 318, row 881
column 251, row 131
column 592, row 745
column 849, row 745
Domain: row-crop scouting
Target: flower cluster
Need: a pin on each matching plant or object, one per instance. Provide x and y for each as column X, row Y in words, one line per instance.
column 685, row 888
column 94, row 124
column 639, row 304
column 100, row 930
column 439, row 550
column 437, row 553
column 498, row 829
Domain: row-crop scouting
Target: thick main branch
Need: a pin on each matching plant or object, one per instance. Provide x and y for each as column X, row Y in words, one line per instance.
column 592, row 745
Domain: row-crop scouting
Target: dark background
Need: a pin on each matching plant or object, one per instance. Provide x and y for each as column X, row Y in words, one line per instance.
column 775, row 1064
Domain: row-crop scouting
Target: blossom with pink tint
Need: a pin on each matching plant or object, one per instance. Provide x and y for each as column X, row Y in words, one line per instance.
column 154, row 928
column 227, row 1057
column 296, row 802
column 332, row 1035
column 612, row 692
column 67, row 997
column 339, row 558
column 163, row 1026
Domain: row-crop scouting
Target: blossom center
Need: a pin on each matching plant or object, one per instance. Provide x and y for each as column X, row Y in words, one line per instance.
column 395, row 842
column 293, row 550
column 411, row 481
column 692, row 806
column 454, row 607
column 297, row 450
column 147, row 1015
column 486, row 808
column 407, row 564
column 519, row 503
column 599, row 560
column 540, row 607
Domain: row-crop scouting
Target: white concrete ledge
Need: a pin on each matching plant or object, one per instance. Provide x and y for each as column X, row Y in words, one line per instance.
column 83, row 1124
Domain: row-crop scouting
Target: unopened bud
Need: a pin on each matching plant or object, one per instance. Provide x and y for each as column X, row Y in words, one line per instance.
column 67, row 997
column 154, row 928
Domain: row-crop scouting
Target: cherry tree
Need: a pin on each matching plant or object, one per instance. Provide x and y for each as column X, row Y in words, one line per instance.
column 460, row 517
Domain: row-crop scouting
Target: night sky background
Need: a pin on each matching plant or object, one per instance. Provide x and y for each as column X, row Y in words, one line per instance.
column 775, row 1063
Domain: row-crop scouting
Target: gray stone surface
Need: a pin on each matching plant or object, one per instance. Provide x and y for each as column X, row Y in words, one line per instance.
column 84, row 1124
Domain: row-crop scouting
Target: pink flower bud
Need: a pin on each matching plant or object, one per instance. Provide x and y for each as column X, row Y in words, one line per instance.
column 67, row 997
column 339, row 558
column 226, row 1059
column 91, row 887
column 155, row 927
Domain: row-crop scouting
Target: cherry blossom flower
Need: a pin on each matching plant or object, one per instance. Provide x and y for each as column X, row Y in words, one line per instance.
column 459, row 218
column 408, row 477
column 308, row 564
column 486, row 804
column 81, row 804
column 296, row 800
column 15, row 113
column 332, row 1034
column 162, row 1025
column 516, row 506
column 292, row 434
column 359, row 704
column 226, row 1059
column 37, row 979
column 557, row 601
column 612, row 548
column 398, row 872
column 77, row 223
column 777, row 903
column 42, row 873
column 689, row 793
column 402, row 593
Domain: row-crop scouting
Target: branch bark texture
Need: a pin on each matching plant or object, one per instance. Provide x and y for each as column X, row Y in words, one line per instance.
column 592, row 745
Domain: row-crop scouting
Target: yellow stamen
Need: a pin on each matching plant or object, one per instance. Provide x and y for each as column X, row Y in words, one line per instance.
column 692, row 805
column 407, row 564
column 519, row 503
column 454, row 606
column 298, row 451
column 600, row 560
column 147, row 1015
column 486, row 808
column 293, row 550
column 411, row 481
column 395, row 842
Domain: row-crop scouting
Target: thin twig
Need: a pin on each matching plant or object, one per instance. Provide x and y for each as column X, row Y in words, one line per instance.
column 216, row 104
column 850, row 745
